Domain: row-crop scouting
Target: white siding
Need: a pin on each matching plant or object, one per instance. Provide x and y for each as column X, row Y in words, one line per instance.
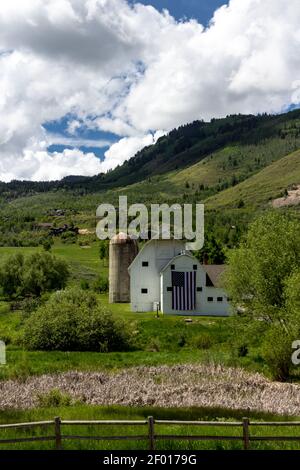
column 185, row 263
column 157, row 253
column 215, row 308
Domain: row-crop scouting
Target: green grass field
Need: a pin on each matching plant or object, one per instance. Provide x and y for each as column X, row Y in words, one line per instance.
column 85, row 412
column 165, row 340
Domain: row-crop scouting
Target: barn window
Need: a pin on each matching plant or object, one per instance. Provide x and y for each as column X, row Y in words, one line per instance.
column 173, row 267
column 199, row 289
column 210, row 299
column 144, row 291
column 145, row 264
column 169, row 289
column 195, row 267
column 220, row 299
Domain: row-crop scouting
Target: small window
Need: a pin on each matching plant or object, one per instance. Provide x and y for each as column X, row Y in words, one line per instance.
column 199, row 289
column 195, row 267
column 220, row 299
column 210, row 299
column 145, row 264
column 173, row 267
column 169, row 289
column 144, row 291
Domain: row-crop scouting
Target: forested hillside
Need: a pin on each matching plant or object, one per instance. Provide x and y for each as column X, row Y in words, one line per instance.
column 236, row 166
column 249, row 143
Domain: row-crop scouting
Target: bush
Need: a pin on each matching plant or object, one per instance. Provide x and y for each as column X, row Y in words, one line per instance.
column 69, row 237
column 54, row 398
column 32, row 275
column 277, row 352
column 47, row 244
column 74, row 320
column 84, row 284
column 101, row 285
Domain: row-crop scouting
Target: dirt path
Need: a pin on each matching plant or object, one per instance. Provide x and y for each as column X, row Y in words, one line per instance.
column 178, row 386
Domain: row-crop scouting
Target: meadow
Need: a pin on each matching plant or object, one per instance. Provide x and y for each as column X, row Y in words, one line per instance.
column 166, row 340
column 86, row 412
column 163, row 340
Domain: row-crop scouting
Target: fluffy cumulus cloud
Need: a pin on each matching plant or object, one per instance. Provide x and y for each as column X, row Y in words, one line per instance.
column 127, row 148
column 135, row 72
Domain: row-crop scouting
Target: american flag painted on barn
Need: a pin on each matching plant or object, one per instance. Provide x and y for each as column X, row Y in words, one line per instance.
column 183, row 290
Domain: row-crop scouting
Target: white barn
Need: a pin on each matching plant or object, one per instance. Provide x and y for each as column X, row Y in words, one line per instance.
column 164, row 273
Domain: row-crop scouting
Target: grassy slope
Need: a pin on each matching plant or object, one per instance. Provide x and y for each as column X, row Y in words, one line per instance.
column 258, row 190
column 236, row 161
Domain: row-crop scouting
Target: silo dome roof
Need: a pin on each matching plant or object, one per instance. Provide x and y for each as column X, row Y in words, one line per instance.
column 121, row 238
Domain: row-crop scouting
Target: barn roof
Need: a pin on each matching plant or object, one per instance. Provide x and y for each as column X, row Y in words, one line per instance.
column 214, row 272
column 150, row 242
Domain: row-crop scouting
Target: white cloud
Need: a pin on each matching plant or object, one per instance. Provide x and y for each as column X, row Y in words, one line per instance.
column 39, row 165
column 58, row 139
column 127, row 148
column 131, row 71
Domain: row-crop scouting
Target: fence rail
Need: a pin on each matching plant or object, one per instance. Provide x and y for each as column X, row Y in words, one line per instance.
column 152, row 425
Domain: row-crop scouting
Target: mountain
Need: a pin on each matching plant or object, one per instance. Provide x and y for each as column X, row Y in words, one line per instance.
column 232, row 148
column 237, row 166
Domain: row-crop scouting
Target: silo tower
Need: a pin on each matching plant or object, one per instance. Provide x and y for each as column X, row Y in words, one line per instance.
column 122, row 251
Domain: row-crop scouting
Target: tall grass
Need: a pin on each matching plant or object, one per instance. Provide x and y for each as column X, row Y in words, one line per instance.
column 85, row 412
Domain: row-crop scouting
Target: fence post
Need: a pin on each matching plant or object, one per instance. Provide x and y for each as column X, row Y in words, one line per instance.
column 57, row 422
column 151, row 433
column 246, row 434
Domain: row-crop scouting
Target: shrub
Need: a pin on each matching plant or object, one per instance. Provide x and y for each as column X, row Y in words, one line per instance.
column 101, row 285
column 277, row 352
column 69, row 237
column 32, row 275
column 11, row 275
column 74, row 320
column 84, row 284
column 54, row 398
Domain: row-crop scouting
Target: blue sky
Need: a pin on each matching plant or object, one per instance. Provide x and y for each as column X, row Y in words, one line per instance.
column 201, row 10
column 60, row 128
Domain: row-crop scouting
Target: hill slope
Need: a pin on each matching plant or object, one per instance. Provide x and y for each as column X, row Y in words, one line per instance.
column 235, row 165
column 270, row 183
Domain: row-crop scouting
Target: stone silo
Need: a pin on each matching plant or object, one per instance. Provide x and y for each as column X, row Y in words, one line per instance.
column 122, row 251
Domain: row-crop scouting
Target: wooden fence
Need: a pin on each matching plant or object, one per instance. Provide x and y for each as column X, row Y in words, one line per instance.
column 151, row 436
